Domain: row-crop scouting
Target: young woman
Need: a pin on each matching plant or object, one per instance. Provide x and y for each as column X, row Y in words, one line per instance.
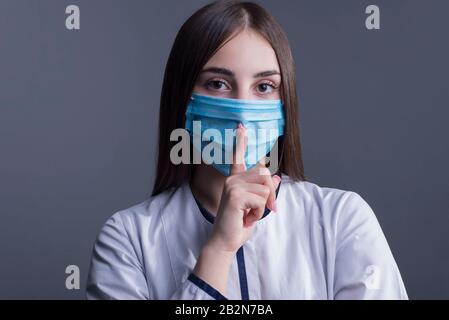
column 214, row 231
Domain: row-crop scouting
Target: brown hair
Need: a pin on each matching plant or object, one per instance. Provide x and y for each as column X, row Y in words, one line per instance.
column 203, row 34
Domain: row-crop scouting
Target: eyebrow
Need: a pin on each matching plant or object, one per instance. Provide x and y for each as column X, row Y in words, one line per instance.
column 230, row 73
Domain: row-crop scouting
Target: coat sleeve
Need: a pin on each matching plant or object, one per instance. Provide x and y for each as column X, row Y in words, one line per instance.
column 117, row 274
column 364, row 265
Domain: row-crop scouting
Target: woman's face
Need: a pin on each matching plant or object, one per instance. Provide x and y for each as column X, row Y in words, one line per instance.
column 246, row 67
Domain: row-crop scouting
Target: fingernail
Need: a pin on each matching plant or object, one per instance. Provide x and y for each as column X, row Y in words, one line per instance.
column 275, row 206
column 240, row 125
column 272, row 205
column 277, row 181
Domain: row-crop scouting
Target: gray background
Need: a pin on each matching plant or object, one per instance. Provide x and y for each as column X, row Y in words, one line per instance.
column 79, row 112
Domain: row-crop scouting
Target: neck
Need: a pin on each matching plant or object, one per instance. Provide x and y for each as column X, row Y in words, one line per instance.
column 207, row 186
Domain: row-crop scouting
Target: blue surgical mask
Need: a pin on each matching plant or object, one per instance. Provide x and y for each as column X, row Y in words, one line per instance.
column 211, row 121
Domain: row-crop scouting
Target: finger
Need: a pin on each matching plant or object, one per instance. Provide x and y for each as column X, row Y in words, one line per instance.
column 256, row 188
column 238, row 159
column 271, row 201
column 257, row 209
column 277, row 181
column 266, row 179
column 253, row 215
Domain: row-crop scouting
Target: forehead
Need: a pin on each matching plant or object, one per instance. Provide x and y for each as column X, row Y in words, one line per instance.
column 247, row 52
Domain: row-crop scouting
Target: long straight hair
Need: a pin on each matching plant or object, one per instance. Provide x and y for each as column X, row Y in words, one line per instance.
column 199, row 38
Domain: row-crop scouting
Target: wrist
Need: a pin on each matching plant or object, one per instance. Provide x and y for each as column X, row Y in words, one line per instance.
column 213, row 266
column 217, row 247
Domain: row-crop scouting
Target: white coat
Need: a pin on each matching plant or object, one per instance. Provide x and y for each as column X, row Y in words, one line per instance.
column 323, row 243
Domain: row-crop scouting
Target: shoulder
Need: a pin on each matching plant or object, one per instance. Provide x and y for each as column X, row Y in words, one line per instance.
column 320, row 195
column 333, row 205
column 145, row 215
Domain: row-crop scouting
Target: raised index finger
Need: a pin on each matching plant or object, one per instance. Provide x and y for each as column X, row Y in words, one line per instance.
column 238, row 159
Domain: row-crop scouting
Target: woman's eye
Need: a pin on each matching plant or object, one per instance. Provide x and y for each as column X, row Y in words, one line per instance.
column 265, row 87
column 217, row 85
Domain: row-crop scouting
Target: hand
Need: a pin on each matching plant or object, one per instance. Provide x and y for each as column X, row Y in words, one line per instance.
column 243, row 200
column 244, row 197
